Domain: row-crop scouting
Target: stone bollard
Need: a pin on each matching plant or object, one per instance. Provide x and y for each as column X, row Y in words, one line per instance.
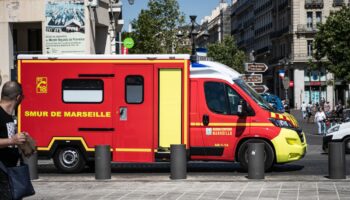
column 178, row 161
column 32, row 163
column 256, row 165
column 102, row 162
column 336, row 160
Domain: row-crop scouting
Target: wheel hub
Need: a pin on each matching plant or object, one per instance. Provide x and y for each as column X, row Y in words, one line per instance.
column 70, row 157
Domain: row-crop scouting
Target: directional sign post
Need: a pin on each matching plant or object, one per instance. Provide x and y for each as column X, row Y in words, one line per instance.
column 260, row 88
column 252, row 78
column 255, row 67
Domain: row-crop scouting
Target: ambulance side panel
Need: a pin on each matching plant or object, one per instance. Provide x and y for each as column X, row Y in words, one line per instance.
column 137, row 107
column 53, row 110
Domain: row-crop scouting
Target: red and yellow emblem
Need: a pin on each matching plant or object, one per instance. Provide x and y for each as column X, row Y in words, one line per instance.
column 41, row 85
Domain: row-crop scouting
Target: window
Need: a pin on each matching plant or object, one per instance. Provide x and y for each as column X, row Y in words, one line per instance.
column 221, row 98
column 309, row 20
column 318, row 17
column 134, row 89
column 82, row 90
column 309, row 48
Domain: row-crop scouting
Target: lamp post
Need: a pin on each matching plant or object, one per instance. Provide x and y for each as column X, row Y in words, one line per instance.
column 192, row 35
column 286, row 79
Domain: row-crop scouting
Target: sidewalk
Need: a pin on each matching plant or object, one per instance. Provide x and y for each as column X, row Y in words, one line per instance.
column 190, row 189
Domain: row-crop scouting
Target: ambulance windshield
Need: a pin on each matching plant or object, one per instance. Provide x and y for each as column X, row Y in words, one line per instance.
column 255, row 96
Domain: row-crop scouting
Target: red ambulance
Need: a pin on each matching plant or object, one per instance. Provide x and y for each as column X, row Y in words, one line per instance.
column 141, row 104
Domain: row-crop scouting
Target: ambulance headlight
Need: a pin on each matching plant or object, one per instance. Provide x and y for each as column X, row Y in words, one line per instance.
column 281, row 123
column 333, row 129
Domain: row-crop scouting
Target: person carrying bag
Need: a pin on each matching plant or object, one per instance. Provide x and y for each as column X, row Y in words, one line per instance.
column 19, row 181
column 14, row 180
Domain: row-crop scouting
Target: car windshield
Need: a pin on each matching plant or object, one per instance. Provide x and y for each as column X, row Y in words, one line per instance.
column 254, row 95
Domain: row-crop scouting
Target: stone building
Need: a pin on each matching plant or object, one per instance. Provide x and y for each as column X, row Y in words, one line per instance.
column 281, row 34
column 57, row 27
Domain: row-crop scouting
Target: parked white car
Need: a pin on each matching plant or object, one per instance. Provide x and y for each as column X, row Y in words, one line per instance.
column 338, row 133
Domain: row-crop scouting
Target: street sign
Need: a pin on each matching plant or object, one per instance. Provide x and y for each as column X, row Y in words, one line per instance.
column 253, row 78
column 260, row 88
column 255, row 67
column 286, row 82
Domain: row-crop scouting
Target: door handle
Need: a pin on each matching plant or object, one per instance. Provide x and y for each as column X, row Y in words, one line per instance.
column 123, row 113
column 205, row 120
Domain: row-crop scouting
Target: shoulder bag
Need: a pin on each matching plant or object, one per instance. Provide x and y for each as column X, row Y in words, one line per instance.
column 19, row 180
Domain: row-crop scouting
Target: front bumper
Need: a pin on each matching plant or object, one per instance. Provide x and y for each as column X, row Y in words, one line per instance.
column 290, row 145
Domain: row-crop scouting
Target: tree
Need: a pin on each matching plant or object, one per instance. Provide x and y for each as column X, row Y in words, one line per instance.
column 333, row 42
column 226, row 52
column 155, row 28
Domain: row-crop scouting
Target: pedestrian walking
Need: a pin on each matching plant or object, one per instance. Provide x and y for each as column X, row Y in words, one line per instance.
column 327, row 108
column 308, row 111
column 303, row 109
column 339, row 110
column 320, row 119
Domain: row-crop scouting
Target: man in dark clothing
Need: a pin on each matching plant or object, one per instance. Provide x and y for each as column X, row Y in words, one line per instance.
column 11, row 97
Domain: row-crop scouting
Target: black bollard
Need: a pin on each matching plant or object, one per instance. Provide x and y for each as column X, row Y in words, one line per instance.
column 32, row 163
column 102, row 162
column 256, row 165
column 178, row 161
column 336, row 160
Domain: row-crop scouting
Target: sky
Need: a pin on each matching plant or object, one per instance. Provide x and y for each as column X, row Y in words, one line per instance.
column 201, row 8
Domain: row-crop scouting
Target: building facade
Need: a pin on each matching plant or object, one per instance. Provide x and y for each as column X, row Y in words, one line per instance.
column 217, row 25
column 57, row 27
column 281, row 34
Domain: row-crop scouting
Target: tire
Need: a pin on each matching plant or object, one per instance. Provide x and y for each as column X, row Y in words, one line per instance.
column 243, row 154
column 69, row 160
column 347, row 145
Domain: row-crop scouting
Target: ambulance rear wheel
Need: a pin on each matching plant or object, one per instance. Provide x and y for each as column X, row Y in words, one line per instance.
column 243, row 154
column 69, row 159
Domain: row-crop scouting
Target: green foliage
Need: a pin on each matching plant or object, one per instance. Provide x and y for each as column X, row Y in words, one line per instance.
column 226, row 52
column 155, row 27
column 333, row 42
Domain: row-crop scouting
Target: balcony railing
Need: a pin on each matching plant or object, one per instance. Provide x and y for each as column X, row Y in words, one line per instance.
column 263, row 7
column 280, row 32
column 244, row 6
column 310, row 4
column 283, row 5
column 307, row 28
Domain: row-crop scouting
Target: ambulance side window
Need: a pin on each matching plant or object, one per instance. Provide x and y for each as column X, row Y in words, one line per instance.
column 216, row 97
column 134, row 89
column 221, row 98
column 82, row 91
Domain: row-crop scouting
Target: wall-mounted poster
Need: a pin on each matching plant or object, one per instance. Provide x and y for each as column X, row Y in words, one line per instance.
column 65, row 27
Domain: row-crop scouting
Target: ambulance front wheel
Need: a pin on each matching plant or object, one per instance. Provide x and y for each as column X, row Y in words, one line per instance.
column 243, row 154
column 69, row 159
